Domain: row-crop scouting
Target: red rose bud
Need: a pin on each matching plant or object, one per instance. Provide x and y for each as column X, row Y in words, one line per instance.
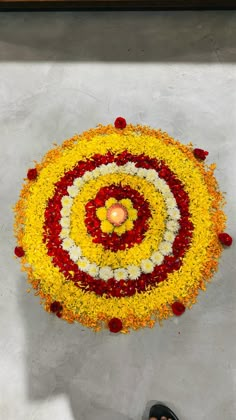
column 120, row 122
column 200, row 154
column 55, row 307
column 115, row 325
column 225, row 239
column 178, row 308
column 19, row 252
column 32, row 174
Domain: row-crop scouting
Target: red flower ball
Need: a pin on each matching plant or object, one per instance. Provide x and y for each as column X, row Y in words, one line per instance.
column 178, row 308
column 120, row 122
column 55, row 307
column 32, row 174
column 225, row 239
column 115, row 325
column 200, row 154
column 19, row 252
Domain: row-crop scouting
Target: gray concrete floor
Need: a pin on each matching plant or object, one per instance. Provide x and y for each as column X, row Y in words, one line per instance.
column 61, row 73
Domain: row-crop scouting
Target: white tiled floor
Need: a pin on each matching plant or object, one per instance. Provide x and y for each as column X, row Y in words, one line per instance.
column 61, row 73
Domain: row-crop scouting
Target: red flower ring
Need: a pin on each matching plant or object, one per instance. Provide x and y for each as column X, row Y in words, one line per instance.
column 128, row 239
column 61, row 258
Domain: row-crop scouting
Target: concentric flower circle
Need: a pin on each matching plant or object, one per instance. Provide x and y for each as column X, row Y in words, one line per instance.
column 147, row 264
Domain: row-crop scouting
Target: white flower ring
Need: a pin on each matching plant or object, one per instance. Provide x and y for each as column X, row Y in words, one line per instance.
column 129, row 272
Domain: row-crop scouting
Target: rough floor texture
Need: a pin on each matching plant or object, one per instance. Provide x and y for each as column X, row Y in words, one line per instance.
column 61, row 73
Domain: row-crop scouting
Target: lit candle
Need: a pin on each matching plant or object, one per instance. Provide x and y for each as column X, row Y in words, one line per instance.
column 117, row 214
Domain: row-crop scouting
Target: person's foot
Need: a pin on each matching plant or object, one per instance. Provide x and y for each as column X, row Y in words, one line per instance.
column 161, row 412
column 162, row 418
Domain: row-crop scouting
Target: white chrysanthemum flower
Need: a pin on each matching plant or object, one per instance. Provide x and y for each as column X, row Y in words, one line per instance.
column 121, row 274
column 157, row 258
column 78, row 182
column 165, row 188
column 106, row 273
column 66, row 201
column 104, row 169
column 169, row 236
column 169, row 195
column 65, row 222
column 165, row 248
column 130, row 168
column 124, row 169
column 83, row 264
column 64, row 233
column 159, row 184
column 134, row 272
column 117, row 169
column 142, row 172
column 87, row 176
column 151, row 175
column 174, row 213
column 93, row 270
column 112, row 167
column 96, row 173
column 65, row 211
column 75, row 253
column 147, row 266
column 67, row 244
column 170, row 202
column 172, row 225
column 72, row 191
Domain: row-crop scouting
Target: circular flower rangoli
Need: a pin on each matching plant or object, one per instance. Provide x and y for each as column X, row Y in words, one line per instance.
column 120, row 227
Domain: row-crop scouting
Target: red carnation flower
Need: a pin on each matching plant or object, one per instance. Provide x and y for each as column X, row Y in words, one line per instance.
column 55, row 306
column 200, row 154
column 19, row 252
column 115, row 325
column 141, row 284
column 32, row 174
column 225, row 239
column 120, row 122
column 178, row 308
column 130, row 290
column 117, row 292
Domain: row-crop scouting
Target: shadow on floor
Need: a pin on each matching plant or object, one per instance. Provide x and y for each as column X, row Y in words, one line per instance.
column 87, row 367
column 119, row 36
column 56, row 353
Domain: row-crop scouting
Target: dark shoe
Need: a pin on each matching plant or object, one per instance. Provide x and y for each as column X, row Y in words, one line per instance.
column 158, row 411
